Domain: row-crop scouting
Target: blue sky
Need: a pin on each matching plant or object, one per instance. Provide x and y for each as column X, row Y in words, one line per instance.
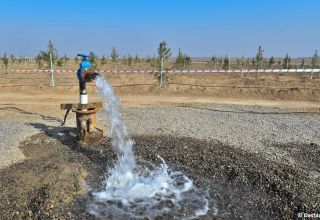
column 198, row 27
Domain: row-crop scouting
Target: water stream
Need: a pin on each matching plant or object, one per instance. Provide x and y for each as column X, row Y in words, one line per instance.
column 139, row 189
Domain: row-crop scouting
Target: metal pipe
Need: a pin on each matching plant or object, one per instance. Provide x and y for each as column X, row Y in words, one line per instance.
column 83, row 93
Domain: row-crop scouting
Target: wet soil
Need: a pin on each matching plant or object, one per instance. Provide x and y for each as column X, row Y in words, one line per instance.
column 58, row 175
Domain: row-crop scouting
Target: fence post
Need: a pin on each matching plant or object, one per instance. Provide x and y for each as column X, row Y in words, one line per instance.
column 229, row 65
column 51, row 70
column 161, row 73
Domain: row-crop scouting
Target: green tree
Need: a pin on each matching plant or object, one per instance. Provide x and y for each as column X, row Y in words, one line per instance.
column 315, row 60
column 5, row 61
column 259, row 58
column 12, row 58
column 187, row 60
column 163, row 54
column 136, row 59
column 214, row 61
column 20, row 60
column 163, row 51
column 148, row 60
column 179, row 60
column 303, row 63
column 60, row 61
column 93, row 59
column 253, row 62
column 114, row 58
column 39, row 61
column 226, row 62
column 271, row 62
column 130, row 60
column 45, row 55
column 103, row 61
column 287, row 62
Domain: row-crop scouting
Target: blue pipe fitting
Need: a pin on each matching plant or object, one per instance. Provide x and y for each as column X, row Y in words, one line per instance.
column 84, row 65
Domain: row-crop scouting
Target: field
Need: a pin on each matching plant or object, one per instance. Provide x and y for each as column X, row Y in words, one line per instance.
column 250, row 141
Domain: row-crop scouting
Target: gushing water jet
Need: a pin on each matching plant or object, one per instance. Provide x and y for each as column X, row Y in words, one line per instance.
column 138, row 189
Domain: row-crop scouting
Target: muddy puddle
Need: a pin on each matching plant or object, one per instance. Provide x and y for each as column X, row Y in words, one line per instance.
column 59, row 176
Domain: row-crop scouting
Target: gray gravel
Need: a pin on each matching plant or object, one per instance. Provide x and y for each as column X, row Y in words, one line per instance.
column 255, row 129
column 17, row 127
column 251, row 128
column 10, row 136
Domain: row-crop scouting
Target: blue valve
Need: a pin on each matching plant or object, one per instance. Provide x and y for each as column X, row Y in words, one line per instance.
column 84, row 65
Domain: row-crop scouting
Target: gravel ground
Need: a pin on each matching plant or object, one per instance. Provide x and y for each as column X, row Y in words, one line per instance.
column 255, row 129
column 9, row 136
column 15, row 126
column 264, row 159
column 251, row 128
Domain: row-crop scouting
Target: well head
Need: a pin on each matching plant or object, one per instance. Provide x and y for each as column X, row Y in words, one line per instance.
column 86, row 121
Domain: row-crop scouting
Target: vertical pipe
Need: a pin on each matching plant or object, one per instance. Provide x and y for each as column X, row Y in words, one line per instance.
column 51, row 70
column 242, row 63
column 229, row 64
column 161, row 73
column 287, row 65
column 83, row 93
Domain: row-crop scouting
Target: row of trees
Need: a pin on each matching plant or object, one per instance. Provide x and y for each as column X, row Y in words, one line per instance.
column 5, row 60
column 164, row 53
column 259, row 62
column 43, row 57
column 182, row 61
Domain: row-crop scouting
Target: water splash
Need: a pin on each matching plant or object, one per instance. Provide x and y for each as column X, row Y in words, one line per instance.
column 138, row 190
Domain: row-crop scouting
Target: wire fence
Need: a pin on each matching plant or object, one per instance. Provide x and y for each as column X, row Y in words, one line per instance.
column 182, row 71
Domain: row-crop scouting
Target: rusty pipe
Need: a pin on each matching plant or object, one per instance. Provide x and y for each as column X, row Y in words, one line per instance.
column 89, row 75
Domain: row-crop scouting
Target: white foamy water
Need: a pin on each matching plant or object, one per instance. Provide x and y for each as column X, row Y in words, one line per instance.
column 141, row 189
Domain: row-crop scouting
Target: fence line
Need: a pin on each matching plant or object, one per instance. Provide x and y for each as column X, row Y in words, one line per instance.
column 183, row 71
column 178, row 84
